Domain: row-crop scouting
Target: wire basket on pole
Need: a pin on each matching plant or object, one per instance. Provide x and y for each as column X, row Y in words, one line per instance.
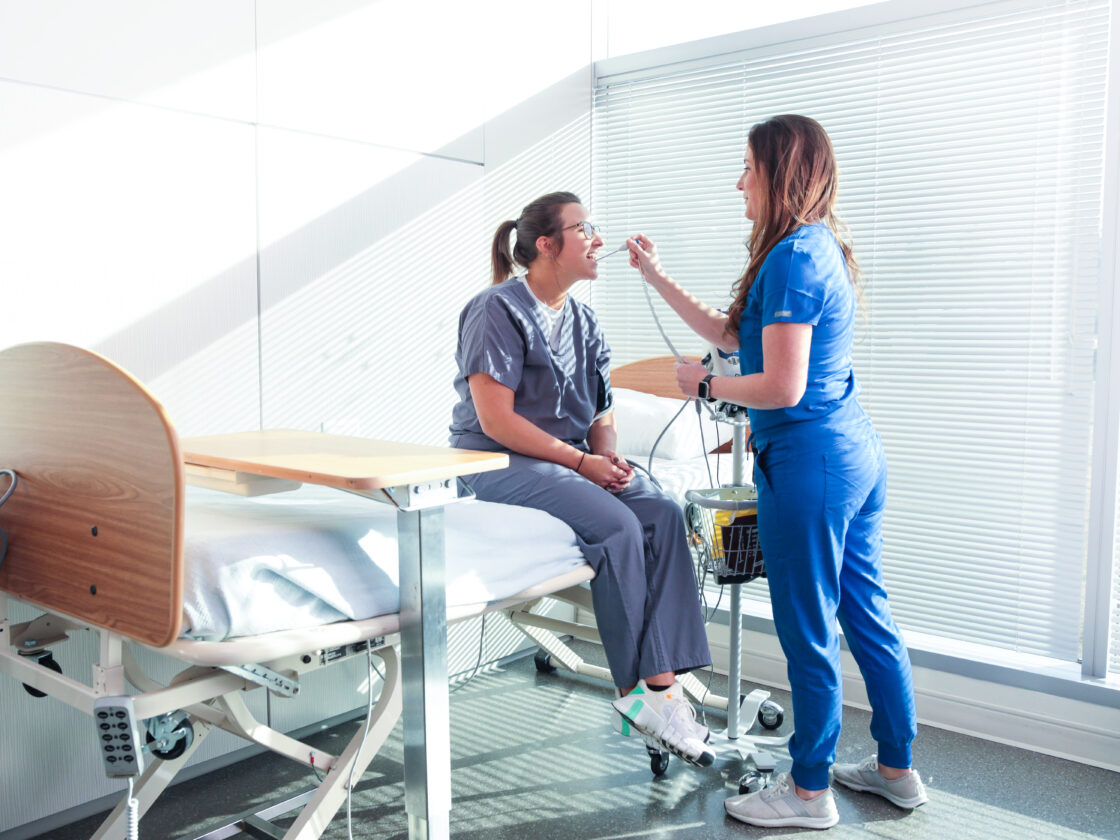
column 723, row 524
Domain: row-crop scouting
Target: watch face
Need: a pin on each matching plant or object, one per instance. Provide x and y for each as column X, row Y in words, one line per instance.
column 702, row 388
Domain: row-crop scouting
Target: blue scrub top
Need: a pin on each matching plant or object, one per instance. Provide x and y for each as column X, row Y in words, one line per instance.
column 503, row 333
column 804, row 280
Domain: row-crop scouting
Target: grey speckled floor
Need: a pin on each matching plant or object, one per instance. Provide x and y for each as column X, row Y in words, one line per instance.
column 533, row 756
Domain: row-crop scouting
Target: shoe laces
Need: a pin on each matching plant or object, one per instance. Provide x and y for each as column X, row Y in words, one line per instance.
column 870, row 763
column 777, row 788
column 683, row 717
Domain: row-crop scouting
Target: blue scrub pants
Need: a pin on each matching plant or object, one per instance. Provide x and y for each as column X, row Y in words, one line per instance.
column 646, row 606
column 820, row 514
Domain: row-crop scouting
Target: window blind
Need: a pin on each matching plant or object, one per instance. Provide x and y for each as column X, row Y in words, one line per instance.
column 971, row 156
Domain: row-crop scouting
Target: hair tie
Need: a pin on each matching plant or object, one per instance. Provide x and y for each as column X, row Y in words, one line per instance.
column 515, row 225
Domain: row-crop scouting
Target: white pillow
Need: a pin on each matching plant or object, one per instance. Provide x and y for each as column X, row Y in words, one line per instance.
column 641, row 417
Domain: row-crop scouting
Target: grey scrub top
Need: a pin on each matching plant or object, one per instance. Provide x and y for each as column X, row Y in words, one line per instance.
column 562, row 391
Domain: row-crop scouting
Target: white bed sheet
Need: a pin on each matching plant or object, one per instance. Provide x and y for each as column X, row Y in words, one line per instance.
column 678, row 476
column 315, row 555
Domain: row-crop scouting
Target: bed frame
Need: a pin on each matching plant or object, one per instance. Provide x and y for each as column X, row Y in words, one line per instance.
column 95, row 541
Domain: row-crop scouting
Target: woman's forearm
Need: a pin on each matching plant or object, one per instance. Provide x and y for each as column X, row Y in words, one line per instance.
column 706, row 321
column 603, row 435
column 755, row 390
column 494, row 404
column 514, row 432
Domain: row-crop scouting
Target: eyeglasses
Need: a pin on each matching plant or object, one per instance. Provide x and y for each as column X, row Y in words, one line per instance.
column 589, row 230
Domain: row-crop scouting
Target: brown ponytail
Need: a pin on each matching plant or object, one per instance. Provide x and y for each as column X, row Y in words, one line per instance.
column 539, row 218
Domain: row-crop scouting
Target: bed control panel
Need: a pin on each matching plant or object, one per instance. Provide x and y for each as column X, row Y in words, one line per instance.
column 118, row 736
column 329, row 655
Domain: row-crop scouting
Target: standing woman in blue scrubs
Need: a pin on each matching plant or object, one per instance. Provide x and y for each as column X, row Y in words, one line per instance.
column 534, row 381
column 819, row 469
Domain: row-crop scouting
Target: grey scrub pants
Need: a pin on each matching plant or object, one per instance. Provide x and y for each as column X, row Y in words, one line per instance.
column 646, row 605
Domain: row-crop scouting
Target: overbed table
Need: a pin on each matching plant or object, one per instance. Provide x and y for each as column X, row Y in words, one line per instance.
column 418, row 481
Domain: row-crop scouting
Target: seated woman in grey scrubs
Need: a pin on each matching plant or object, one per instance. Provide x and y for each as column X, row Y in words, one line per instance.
column 534, row 381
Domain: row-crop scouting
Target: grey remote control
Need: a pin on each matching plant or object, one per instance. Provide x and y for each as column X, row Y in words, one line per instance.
column 118, row 736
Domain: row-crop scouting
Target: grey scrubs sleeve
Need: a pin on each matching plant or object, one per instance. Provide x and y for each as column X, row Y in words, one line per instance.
column 491, row 341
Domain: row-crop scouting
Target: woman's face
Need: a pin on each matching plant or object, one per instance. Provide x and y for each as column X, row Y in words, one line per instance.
column 752, row 189
column 577, row 255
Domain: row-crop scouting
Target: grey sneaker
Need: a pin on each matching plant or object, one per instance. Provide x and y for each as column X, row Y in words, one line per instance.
column 907, row 792
column 778, row 805
column 668, row 720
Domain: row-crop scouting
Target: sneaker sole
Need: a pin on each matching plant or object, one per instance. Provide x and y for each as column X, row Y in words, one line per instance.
column 910, row 803
column 787, row 822
column 705, row 759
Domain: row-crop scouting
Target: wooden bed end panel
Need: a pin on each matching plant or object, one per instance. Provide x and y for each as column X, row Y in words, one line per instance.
column 655, row 375
column 95, row 525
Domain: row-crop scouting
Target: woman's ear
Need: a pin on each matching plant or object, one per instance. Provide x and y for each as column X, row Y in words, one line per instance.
column 545, row 246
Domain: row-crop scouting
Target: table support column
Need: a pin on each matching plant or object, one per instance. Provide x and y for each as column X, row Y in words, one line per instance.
column 427, row 747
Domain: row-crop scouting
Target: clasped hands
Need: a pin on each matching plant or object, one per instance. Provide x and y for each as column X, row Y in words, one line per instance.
column 608, row 469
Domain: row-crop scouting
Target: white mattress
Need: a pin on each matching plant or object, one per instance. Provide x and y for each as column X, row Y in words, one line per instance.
column 315, row 555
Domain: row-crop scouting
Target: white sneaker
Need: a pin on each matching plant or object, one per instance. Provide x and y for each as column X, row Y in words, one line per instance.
column 778, row 805
column 669, row 720
column 907, row 792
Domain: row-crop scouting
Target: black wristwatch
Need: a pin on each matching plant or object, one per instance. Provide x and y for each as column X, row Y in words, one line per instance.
column 704, row 388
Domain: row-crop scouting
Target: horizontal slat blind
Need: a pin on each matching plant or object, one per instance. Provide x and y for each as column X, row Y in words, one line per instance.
column 971, row 150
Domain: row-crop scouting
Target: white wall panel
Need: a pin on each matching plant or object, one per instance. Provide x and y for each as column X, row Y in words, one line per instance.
column 368, row 248
column 419, row 76
column 191, row 55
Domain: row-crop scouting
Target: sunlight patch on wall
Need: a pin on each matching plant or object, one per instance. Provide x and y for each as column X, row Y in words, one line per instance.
column 89, row 250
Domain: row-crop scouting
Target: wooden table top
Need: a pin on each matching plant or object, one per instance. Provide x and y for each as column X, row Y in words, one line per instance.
column 351, row 463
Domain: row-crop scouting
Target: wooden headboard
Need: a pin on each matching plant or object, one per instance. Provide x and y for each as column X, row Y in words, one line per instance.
column 95, row 525
column 655, row 375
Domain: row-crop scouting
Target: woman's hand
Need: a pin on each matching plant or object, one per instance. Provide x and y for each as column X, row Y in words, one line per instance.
column 644, row 257
column 689, row 375
column 608, row 469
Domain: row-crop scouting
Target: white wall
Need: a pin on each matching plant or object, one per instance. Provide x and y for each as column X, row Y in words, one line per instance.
column 271, row 212
column 632, row 26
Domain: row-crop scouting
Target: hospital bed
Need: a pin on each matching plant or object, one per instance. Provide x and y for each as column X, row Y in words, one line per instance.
column 102, row 534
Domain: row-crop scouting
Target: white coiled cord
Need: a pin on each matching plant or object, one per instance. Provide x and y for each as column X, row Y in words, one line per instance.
column 133, row 814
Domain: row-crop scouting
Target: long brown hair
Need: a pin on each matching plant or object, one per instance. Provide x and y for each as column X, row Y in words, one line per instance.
column 540, row 217
column 796, row 169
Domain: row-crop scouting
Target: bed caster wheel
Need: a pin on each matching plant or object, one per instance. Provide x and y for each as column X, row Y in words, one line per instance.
column 47, row 661
column 771, row 715
column 658, row 761
column 169, row 735
column 544, row 662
